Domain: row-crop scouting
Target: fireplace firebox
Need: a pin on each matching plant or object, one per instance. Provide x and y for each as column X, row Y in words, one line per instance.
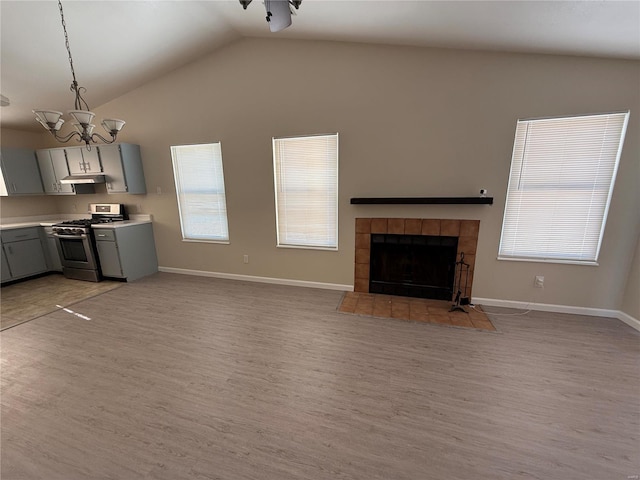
column 465, row 231
column 413, row 265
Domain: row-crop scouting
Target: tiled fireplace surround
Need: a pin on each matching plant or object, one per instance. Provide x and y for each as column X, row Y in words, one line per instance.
column 465, row 230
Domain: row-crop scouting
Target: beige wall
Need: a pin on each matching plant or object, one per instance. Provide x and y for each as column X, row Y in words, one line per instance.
column 631, row 300
column 412, row 122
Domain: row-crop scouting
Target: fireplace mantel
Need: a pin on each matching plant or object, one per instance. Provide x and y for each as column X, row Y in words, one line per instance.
column 422, row 201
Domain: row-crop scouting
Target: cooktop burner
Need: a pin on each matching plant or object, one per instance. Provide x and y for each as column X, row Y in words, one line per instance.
column 85, row 222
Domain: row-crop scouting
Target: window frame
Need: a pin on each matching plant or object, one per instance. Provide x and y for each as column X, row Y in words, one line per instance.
column 279, row 242
column 569, row 159
column 176, row 176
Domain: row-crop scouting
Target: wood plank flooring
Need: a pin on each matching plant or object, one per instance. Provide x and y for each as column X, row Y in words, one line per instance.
column 178, row 377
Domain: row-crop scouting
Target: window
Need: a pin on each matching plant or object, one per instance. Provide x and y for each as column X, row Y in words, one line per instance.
column 200, row 189
column 560, row 186
column 306, row 190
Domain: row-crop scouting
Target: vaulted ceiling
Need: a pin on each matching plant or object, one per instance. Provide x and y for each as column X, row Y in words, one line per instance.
column 119, row 45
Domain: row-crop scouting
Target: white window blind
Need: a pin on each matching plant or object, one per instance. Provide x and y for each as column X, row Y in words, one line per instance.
column 560, row 186
column 200, row 189
column 306, row 191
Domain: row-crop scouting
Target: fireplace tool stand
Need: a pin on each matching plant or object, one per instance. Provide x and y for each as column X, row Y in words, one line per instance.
column 461, row 267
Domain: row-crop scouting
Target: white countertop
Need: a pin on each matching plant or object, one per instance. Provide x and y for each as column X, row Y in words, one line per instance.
column 122, row 224
column 49, row 220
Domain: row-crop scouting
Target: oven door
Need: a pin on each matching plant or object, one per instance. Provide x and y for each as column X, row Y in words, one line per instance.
column 76, row 251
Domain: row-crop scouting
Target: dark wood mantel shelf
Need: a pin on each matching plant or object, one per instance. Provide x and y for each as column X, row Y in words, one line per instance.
column 423, row 201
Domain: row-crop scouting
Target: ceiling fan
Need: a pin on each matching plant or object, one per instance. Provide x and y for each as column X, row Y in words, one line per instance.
column 278, row 12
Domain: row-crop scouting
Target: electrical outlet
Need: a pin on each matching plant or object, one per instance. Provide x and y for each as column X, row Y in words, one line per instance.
column 538, row 282
column 245, row 258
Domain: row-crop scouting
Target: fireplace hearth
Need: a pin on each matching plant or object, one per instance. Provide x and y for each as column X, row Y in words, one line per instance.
column 427, row 240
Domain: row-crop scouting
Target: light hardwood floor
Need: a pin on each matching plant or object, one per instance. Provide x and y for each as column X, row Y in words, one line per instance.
column 178, row 377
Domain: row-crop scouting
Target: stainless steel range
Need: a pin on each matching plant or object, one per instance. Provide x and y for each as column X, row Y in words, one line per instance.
column 77, row 244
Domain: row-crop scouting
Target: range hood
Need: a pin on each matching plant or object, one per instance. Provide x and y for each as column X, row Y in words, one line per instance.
column 78, row 179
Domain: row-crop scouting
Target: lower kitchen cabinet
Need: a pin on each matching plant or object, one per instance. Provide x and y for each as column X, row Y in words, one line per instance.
column 22, row 253
column 6, row 273
column 127, row 252
column 51, row 251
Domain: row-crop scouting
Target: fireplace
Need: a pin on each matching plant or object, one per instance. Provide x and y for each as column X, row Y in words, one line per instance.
column 413, row 265
column 414, row 257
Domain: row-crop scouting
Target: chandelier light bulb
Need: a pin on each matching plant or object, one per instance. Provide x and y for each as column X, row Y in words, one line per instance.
column 113, row 125
column 82, row 116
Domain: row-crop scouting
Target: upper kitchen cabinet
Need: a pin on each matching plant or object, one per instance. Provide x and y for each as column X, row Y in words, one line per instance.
column 122, row 168
column 53, row 168
column 19, row 174
column 82, row 161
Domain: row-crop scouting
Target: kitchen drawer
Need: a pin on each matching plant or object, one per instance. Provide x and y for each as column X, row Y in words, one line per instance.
column 102, row 234
column 19, row 234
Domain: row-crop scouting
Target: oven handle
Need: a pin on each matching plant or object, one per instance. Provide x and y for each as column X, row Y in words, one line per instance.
column 74, row 235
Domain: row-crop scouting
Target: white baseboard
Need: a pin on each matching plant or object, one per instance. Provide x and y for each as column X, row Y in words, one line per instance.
column 546, row 307
column 252, row 278
column 489, row 302
column 629, row 320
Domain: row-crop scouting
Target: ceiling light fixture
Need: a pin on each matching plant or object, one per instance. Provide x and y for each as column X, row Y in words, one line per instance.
column 278, row 12
column 52, row 121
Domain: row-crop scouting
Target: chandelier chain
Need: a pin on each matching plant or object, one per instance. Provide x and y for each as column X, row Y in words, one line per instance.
column 79, row 102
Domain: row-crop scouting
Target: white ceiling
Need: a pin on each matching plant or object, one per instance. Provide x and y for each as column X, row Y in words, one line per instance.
column 119, row 45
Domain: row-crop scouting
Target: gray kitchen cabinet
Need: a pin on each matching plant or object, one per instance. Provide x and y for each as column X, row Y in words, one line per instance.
column 122, row 168
column 20, row 172
column 53, row 168
column 51, row 250
column 24, row 253
column 6, row 273
column 82, row 161
column 127, row 252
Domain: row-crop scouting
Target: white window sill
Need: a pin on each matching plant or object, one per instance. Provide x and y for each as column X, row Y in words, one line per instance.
column 550, row 260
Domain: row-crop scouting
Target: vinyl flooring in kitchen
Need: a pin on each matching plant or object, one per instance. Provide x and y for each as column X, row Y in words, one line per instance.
column 180, row 377
column 29, row 299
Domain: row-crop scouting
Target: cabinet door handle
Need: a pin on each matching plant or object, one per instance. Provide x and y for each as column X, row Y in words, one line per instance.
column 22, row 236
column 88, row 167
column 10, row 249
column 102, row 235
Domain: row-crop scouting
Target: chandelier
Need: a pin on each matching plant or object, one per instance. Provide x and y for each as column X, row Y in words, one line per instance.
column 278, row 12
column 52, row 120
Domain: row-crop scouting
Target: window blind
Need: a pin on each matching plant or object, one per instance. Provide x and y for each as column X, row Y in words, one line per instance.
column 306, row 191
column 200, row 190
column 562, row 176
